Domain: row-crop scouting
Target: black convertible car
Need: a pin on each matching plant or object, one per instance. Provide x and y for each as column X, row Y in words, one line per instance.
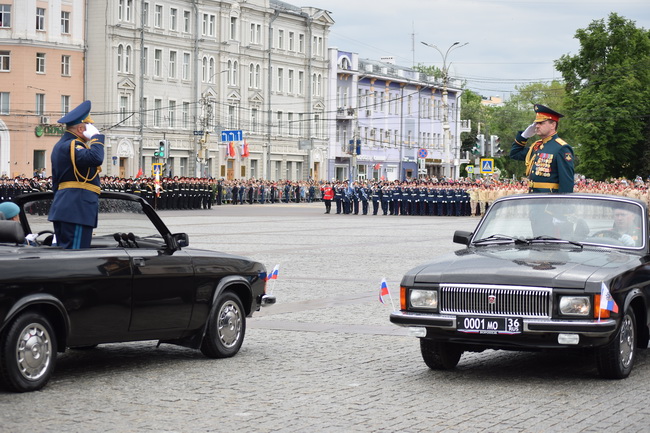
column 540, row 272
column 138, row 281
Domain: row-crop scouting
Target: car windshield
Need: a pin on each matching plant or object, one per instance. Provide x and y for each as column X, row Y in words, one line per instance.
column 115, row 216
column 584, row 220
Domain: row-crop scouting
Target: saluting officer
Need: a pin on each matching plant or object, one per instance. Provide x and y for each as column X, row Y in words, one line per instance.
column 549, row 161
column 76, row 164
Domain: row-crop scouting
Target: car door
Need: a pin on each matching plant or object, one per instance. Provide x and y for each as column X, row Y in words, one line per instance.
column 163, row 292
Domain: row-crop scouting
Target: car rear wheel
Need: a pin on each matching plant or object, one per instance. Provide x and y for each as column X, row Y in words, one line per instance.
column 616, row 359
column 226, row 328
column 439, row 355
column 27, row 353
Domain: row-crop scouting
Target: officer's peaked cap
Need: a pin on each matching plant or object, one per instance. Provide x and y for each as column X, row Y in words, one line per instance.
column 78, row 115
column 545, row 113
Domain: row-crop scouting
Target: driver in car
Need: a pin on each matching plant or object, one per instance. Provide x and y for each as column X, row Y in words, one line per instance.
column 624, row 228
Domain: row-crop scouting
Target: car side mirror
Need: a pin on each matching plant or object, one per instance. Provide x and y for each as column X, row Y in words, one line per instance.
column 462, row 237
column 182, row 239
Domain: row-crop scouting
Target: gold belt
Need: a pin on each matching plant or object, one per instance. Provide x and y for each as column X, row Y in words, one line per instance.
column 80, row 185
column 543, row 185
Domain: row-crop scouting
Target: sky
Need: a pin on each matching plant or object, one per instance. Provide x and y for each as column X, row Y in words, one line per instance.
column 509, row 42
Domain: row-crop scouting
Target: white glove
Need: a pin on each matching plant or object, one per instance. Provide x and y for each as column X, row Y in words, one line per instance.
column 627, row 240
column 529, row 132
column 90, row 131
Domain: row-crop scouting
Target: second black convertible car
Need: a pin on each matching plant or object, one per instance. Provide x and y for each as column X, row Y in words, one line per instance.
column 138, row 281
column 540, row 272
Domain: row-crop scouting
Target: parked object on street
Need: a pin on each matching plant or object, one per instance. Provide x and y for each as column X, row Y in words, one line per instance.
column 540, row 272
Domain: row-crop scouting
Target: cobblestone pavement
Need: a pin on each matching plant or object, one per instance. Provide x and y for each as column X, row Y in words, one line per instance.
column 325, row 358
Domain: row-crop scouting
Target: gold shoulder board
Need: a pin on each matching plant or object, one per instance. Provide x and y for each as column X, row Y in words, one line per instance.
column 561, row 142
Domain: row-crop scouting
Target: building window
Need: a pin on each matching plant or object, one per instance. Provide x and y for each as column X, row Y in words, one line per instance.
column 157, row 16
column 65, row 66
column 4, row 102
column 127, row 59
column 145, row 61
column 157, row 63
column 280, row 125
column 280, row 40
column 258, row 76
column 145, row 14
column 172, row 114
column 301, row 43
column 254, row 120
column 233, row 28
column 65, row 22
column 290, row 124
column 5, row 16
column 186, row 66
column 290, row 83
column 256, row 33
column 40, row 104
column 280, row 80
column 128, row 9
column 120, row 55
column 173, row 19
column 124, row 108
column 187, row 21
column 5, row 61
column 65, row 104
column 292, row 42
column 301, row 82
column 40, row 19
column 172, row 64
column 40, row 63
column 186, row 114
column 213, row 25
column 157, row 106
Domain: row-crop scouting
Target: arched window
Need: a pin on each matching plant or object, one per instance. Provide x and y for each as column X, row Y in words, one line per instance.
column 120, row 54
column 127, row 59
column 251, row 75
column 258, row 75
column 211, row 79
column 235, row 72
column 229, row 79
column 204, row 69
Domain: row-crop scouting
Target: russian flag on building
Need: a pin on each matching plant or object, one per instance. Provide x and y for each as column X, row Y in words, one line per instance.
column 383, row 290
column 244, row 150
column 231, row 149
column 606, row 300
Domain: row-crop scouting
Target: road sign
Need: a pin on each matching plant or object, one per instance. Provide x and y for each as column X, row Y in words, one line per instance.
column 422, row 153
column 198, row 132
column 156, row 169
column 487, row 165
column 235, row 135
column 469, row 169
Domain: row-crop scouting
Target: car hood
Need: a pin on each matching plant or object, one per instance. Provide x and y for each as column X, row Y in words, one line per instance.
column 552, row 266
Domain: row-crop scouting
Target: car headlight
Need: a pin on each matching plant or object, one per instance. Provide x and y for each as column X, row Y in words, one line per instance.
column 424, row 298
column 575, row 305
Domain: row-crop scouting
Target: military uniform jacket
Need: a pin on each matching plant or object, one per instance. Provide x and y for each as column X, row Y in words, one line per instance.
column 76, row 192
column 548, row 161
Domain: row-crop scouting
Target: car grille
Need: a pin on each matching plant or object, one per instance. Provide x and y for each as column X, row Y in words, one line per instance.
column 495, row 300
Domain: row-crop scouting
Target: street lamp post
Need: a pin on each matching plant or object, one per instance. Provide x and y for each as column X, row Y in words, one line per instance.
column 445, row 104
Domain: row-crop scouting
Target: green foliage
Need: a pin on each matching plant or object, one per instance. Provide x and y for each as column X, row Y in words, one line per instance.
column 608, row 99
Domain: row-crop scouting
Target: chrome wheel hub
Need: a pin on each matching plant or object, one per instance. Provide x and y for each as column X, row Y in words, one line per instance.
column 33, row 351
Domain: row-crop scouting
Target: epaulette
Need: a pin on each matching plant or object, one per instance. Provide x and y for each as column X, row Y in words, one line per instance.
column 78, row 144
column 560, row 141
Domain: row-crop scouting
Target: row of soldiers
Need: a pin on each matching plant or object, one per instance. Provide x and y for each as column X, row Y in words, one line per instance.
column 401, row 198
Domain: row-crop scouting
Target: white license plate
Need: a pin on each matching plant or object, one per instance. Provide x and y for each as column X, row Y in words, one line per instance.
column 489, row 325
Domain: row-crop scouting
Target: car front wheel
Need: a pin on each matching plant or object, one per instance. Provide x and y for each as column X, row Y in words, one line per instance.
column 616, row 359
column 439, row 355
column 27, row 353
column 226, row 328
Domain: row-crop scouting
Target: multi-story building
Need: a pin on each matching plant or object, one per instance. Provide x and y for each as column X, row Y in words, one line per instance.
column 182, row 72
column 390, row 121
column 41, row 78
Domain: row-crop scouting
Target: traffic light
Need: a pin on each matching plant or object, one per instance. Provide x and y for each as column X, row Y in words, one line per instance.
column 479, row 148
column 494, row 145
column 163, row 149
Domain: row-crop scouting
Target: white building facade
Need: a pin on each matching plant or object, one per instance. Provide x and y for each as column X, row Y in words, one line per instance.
column 390, row 121
column 183, row 72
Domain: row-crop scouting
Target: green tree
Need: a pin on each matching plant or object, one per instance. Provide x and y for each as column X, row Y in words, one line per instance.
column 608, row 98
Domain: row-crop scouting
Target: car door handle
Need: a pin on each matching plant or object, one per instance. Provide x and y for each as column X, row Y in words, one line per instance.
column 138, row 261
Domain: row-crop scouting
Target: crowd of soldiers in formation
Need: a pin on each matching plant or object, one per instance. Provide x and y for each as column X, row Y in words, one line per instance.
column 412, row 197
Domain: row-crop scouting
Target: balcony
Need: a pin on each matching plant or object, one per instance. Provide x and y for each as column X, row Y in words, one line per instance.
column 345, row 113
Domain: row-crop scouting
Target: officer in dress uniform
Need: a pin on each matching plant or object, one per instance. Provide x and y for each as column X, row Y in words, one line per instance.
column 76, row 164
column 549, row 161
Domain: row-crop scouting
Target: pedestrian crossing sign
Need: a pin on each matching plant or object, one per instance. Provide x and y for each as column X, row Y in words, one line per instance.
column 487, row 165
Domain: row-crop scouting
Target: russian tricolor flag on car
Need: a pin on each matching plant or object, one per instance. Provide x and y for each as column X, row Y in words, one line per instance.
column 606, row 300
column 274, row 273
column 383, row 290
